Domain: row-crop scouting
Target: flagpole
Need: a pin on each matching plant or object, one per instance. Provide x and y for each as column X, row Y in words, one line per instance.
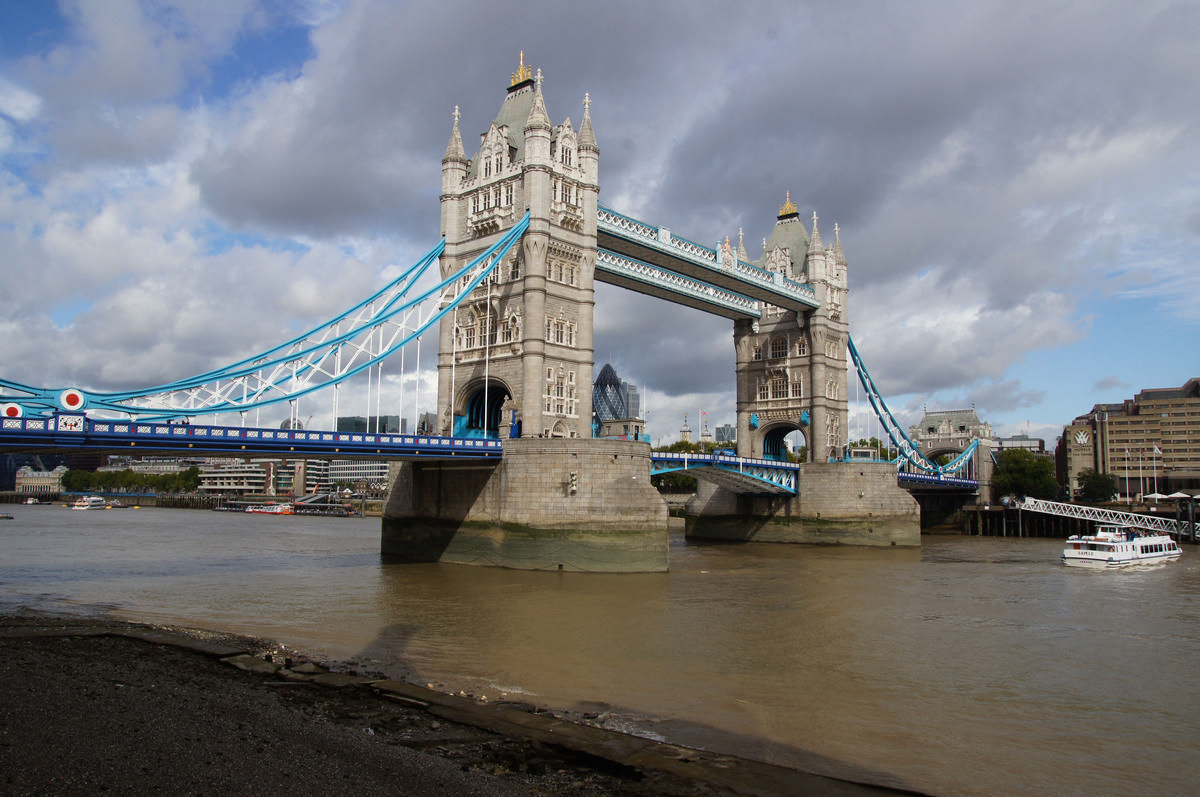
column 1128, row 497
column 1153, row 463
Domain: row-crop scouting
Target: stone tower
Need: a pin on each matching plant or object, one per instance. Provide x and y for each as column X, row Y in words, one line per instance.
column 516, row 357
column 791, row 368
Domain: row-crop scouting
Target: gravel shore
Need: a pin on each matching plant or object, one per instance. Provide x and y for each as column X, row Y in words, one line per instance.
column 91, row 706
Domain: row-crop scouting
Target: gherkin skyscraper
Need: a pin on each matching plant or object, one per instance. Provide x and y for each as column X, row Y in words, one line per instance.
column 608, row 400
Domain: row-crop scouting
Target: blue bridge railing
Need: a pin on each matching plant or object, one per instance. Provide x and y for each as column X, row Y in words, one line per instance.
column 70, row 431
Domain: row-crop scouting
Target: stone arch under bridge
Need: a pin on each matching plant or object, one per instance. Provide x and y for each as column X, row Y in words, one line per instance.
column 775, row 433
column 479, row 408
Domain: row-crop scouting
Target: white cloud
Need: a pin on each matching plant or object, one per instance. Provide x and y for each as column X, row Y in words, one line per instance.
column 992, row 184
column 18, row 103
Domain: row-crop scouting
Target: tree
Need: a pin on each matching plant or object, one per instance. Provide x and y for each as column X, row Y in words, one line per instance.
column 1018, row 472
column 676, row 482
column 1095, row 486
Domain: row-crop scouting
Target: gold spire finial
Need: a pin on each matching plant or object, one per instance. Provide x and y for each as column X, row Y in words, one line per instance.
column 522, row 74
column 788, row 207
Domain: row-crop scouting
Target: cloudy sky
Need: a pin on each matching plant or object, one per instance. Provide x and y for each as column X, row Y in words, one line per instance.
column 1017, row 184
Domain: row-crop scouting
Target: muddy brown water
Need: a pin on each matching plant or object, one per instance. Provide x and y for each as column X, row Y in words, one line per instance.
column 973, row 666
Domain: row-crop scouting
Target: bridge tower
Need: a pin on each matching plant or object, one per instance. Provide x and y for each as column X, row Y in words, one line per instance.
column 515, row 361
column 791, row 367
column 516, row 358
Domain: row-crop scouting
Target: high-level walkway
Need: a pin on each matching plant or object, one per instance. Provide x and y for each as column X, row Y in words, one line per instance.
column 650, row 260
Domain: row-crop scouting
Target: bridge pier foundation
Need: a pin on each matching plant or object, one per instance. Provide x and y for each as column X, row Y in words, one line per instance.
column 837, row 504
column 549, row 504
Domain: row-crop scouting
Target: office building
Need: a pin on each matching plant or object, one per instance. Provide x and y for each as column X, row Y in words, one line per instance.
column 1149, row 443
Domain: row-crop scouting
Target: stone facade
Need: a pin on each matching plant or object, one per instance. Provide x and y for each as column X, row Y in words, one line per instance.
column 549, row 505
column 40, row 482
column 949, row 432
column 838, row 504
column 521, row 345
column 791, row 368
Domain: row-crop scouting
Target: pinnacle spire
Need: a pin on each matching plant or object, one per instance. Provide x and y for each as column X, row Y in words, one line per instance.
column 587, row 137
column 838, row 255
column 454, row 148
column 538, row 117
column 814, row 243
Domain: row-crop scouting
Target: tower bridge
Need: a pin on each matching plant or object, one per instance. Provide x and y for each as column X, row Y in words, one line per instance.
column 524, row 241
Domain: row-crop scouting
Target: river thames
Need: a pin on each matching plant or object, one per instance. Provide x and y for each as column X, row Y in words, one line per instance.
column 973, row 666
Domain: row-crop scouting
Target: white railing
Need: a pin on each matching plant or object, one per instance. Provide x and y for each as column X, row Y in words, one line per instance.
column 1111, row 516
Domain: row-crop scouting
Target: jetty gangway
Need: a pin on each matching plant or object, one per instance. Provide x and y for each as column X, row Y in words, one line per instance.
column 1180, row 528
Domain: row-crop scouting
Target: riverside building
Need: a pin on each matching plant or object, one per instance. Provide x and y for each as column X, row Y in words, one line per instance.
column 1150, row 443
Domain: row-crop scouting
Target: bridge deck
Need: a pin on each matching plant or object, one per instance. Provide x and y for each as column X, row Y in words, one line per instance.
column 739, row 474
column 657, row 247
column 74, row 432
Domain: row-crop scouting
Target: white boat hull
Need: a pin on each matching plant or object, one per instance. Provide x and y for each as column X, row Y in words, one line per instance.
column 1114, row 547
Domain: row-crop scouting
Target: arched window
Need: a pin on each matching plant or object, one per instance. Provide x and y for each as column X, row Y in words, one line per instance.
column 802, row 346
column 469, row 331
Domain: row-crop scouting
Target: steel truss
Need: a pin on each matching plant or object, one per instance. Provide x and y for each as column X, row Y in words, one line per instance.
column 339, row 349
column 742, row 475
column 1092, row 513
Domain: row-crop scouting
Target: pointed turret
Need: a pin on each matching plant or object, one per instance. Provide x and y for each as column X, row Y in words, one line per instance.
column 784, row 251
column 587, row 136
column 454, row 149
column 816, row 262
column 454, row 171
column 839, row 256
column 538, row 117
column 814, row 243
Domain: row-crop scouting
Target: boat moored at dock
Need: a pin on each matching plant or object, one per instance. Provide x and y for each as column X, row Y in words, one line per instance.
column 270, row 509
column 1114, row 546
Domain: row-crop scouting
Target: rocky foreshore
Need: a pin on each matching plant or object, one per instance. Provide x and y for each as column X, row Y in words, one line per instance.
column 88, row 706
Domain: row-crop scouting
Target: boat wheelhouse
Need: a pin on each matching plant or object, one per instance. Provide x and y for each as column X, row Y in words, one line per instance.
column 1119, row 546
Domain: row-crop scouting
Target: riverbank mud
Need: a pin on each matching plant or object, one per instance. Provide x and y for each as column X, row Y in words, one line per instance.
column 89, row 706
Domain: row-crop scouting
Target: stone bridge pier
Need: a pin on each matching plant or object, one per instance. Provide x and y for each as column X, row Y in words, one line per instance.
column 550, row 504
column 839, row 503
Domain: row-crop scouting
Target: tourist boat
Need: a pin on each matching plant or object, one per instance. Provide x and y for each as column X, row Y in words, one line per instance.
column 1119, row 546
column 270, row 509
column 90, row 502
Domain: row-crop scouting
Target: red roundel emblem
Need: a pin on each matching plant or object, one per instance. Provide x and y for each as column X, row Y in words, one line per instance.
column 71, row 399
column 12, row 410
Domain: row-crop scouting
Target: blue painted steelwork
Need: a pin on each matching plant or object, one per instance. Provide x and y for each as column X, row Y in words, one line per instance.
column 936, row 480
column 657, row 247
column 740, row 474
column 642, row 277
column 908, row 449
column 327, row 355
column 74, row 431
